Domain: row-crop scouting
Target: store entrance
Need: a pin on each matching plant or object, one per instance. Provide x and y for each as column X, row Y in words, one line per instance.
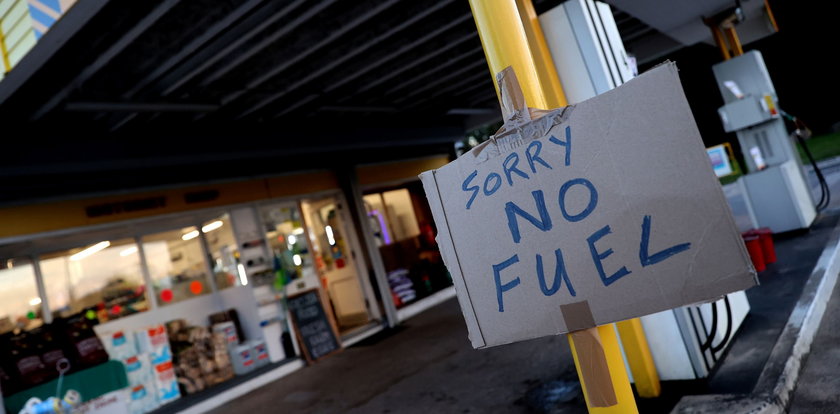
column 311, row 241
column 334, row 260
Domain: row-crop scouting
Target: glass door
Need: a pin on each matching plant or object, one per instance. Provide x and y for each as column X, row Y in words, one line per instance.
column 333, row 258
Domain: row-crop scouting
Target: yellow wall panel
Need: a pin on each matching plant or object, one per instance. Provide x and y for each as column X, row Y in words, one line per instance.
column 395, row 171
column 44, row 217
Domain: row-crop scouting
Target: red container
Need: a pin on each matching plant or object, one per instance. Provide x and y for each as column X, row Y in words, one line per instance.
column 766, row 238
column 753, row 243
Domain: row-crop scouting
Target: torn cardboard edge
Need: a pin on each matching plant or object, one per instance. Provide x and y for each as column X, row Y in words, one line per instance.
column 444, row 239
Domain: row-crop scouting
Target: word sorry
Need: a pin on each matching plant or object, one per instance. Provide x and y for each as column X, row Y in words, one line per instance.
column 510, row 166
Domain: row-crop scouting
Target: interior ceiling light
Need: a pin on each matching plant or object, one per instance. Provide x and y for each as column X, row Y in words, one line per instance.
column 90, row 250
column 330, row 236
column 128, row 251
column 212, row 226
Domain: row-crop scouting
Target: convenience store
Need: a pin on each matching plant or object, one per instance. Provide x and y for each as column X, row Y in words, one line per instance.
column 131, row 261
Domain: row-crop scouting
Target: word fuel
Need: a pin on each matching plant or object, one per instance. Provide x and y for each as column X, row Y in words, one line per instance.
column 543, row 221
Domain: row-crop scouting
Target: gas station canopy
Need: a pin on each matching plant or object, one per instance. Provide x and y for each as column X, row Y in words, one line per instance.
column 138, row 94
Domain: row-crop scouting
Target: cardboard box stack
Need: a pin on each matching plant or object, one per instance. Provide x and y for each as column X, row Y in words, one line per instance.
column 200, row 356
column 148, row 363
column 154, row 342
column 122, row 346
column 260, row 351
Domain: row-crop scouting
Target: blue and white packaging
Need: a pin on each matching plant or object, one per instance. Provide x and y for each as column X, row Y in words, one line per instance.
column 166, row 383
column 154, row 342
column 138, row 369
column 142, row 398
column 119, row 345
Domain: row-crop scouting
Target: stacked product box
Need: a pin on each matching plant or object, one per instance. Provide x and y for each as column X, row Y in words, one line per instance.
column 200, row 356
column 121, row 346
column 244, row 357
column 260, row 351
column 154, row 342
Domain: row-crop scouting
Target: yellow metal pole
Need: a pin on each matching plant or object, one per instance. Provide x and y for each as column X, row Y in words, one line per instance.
column 506, row 44
column 639, row 358
column 770, row 16
column 734, row 41
column 618, row 374
column 633, row 337
column 546, row 71
column 720, row 42
column 4, row 53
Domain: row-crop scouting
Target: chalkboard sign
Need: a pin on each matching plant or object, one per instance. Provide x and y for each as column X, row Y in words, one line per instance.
column 314, row 326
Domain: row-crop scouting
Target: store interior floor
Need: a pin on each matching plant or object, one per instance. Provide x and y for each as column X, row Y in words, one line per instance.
column 427, row 365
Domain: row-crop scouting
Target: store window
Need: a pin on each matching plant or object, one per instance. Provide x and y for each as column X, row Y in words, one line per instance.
column 287, row 242
column 404, row 231
column 103, row 277
column 176, row 265
column 227, row 268
column 20, row 304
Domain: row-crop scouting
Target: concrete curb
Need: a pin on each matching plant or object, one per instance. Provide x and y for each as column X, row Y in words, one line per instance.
column 775, row 386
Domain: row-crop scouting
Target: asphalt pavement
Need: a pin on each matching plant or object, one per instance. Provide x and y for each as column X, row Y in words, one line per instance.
column 427, row 366
column 818, row 389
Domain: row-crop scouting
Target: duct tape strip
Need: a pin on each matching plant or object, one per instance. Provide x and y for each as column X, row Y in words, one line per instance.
column 594, row 371
column 577, row 316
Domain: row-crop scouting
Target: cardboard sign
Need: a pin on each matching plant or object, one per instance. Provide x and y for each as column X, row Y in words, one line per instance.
column 586, row 215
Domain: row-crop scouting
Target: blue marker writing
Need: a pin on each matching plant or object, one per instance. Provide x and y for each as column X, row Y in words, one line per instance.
column 598, row 257
column 497, row 275
column 647, row 259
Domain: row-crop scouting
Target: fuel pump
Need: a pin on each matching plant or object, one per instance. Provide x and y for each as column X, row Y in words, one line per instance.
column 775, row 188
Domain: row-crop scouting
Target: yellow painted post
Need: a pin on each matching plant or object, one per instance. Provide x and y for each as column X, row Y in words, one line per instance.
column 618, row 374
column 506, row 44
column 638, row 356
column 546, row 71
column 635, row 343
column 770, row 16
column 734, row 41
column 4, row 53
column 720, row 42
